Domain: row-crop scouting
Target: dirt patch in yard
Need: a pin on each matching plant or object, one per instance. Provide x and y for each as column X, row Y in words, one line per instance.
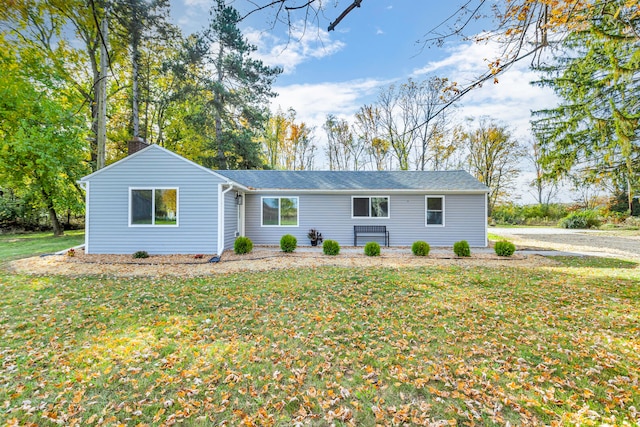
column 261, row 259
column 605, row 243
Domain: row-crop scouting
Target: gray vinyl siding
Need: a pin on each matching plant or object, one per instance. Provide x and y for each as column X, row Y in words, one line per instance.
column 465, row 219
column 108, row 219
column 230, row 219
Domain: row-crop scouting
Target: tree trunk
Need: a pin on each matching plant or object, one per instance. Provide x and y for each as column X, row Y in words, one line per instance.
column 629, row 185
column 101, row 130
column 58, row 230
column 94, row 118
column 53, row 217
column 221, row 160
column 135, row 59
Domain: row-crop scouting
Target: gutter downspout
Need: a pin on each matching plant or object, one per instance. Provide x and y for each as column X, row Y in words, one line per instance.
column 221, row 195
column 486, row 220
column 85, row 186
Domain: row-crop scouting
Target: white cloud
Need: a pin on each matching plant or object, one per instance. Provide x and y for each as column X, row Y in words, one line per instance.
column 510, row 100
column 313, row 102
column 298, row 48
column 467, row 60
column 205, row 4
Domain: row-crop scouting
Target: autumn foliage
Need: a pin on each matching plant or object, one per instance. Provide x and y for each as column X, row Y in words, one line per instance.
column 417, row 346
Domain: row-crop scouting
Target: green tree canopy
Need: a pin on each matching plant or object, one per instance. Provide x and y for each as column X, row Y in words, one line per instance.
column 596, row 126
column 238, row 93
column 42, row 148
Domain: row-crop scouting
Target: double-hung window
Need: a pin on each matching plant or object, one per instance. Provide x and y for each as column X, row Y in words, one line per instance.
column 370, row 207
column 435, row 210
column 279, row 211
column 153, row 207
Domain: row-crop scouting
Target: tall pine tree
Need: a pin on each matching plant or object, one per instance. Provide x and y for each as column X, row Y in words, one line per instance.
column 240, row 88
column 596, row 126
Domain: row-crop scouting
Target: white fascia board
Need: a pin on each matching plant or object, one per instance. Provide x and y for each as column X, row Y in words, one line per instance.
column 358, row 190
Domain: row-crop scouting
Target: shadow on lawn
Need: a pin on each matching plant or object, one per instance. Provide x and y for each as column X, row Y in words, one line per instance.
column 594, row 262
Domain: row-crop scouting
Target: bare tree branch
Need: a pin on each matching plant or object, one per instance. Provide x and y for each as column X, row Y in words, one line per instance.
column 356, row 3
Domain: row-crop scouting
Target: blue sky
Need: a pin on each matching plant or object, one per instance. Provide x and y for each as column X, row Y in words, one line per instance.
column 375, row 45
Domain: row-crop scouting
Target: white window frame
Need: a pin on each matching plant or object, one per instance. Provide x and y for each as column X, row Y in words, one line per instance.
column 372, row 197
column 279, row 208
column 426, row 210
column 153, row 207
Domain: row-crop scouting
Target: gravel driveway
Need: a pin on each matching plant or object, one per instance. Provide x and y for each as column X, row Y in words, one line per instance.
column 588, row 242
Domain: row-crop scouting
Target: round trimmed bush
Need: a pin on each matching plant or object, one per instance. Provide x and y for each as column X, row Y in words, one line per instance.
column 420, row 248
column 141, row 254
column 372, row 249
column 461, row 248
column 504, row 248
column 242, row 245
column 330, row 247
column 288, row 243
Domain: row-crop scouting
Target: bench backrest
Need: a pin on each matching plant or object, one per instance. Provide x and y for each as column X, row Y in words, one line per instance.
column 370, row 228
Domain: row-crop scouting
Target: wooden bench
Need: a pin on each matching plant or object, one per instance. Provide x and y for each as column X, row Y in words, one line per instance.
column 370, row 231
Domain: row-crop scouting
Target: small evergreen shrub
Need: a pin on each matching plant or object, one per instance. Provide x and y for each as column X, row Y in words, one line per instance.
column 242, row 245
column 372, row 249
column 581, row 219
column 461, row 248
column 141, row 254
column 330, row 247
column 288, row 243
column 504, row 248
column 420, row 248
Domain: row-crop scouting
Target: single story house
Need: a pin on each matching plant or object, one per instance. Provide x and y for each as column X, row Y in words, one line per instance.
column 157, row 201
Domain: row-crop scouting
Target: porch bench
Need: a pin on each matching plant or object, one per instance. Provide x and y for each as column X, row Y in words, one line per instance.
column 370, row 231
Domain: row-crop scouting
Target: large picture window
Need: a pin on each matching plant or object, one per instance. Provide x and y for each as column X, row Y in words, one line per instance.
column 435, row 210
column 153, row 207
column 370, row 207
column 280, row 211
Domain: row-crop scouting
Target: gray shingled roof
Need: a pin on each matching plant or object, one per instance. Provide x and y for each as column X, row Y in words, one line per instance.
column 350, row 180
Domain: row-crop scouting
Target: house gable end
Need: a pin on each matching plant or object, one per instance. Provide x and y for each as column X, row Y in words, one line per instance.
column 152, row 151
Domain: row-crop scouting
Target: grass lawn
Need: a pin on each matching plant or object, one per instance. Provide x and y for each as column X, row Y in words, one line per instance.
column 446, row 345
column 14, row 246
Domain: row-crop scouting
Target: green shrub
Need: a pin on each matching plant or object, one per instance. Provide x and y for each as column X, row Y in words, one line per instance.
column 372, row 249
column 504, row 248
column 330, row 247
column 288, row 243
column 632, row 221
column 242, row 245
column 461, row 248
column 420, row 248
column 538, row 214
column 141, row 254
column 581, row 219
